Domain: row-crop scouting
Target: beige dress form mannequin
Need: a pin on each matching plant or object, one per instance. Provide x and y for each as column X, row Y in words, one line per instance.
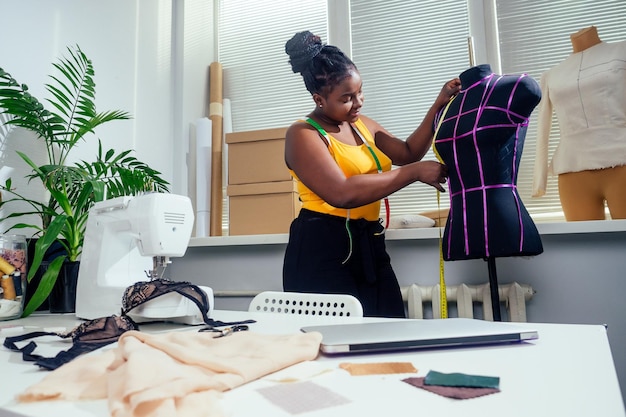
column 588, row 93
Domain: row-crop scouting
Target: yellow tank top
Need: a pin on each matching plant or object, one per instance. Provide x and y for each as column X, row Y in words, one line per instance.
column 353, row 160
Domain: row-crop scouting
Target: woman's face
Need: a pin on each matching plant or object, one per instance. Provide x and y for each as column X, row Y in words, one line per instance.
column 345, row 100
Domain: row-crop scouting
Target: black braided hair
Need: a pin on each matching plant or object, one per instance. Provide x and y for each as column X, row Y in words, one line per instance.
column 322, row 66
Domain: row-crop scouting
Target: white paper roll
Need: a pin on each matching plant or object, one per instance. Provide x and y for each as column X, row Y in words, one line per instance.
column 227, row 116
column 228, row 128
column 191, row 165
column 203, row 176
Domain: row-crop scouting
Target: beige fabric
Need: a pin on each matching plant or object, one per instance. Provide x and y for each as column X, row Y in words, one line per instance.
column 172, row 374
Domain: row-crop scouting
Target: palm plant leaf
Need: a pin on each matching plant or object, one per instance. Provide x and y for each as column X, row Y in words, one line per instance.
column 74, row 101
column 44, row 242
column 26, row 110
column 123, row 174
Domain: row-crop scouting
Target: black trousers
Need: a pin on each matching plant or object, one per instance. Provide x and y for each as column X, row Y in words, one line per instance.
column 321, row 258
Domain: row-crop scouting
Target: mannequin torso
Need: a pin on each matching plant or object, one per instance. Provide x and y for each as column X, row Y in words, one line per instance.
column 587, row 92
column 481, row 139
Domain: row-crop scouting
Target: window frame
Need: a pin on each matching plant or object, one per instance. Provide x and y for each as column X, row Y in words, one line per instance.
column 484, row 40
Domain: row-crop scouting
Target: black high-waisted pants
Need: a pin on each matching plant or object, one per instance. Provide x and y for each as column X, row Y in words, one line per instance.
column 315, row 261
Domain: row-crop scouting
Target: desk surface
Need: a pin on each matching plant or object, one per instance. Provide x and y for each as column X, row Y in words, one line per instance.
column 568, row 371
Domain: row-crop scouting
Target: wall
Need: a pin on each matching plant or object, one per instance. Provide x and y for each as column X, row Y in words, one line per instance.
column 146, row 61
column 579, row 278
column 40, row 33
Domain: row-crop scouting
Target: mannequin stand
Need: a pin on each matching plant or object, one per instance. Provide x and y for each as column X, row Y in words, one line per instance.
column 493, row 285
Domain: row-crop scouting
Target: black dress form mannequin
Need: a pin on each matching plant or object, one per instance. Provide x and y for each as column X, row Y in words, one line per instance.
column 480, row 139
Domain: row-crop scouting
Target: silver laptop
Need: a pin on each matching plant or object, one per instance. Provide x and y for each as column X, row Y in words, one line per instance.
column 418, row 334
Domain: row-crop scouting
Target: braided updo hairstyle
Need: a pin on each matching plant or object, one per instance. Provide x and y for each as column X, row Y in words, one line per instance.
column 321, row 66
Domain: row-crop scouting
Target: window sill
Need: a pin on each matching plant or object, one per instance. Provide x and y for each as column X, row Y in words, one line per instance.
column 601, row 226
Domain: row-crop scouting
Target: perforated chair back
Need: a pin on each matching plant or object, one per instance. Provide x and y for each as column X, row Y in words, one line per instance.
column 313, row 304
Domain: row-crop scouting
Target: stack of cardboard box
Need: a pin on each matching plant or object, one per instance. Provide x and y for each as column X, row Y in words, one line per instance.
column 262, row 194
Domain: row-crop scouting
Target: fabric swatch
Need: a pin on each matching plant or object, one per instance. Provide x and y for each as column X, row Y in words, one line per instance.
column 302, row 397
column 460, row 393
column 378, row 368
column 461, row 380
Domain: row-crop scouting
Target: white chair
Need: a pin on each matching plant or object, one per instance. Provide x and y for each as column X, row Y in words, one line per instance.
column 314, row 304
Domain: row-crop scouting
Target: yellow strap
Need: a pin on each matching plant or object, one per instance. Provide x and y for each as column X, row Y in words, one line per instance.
column 443, row 115
column 443, row 299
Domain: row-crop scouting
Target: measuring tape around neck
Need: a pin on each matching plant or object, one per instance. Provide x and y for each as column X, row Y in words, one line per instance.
column 379, row 167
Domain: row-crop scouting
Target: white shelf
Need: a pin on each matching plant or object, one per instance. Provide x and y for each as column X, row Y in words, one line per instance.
column 601, row 226
column 239, row 240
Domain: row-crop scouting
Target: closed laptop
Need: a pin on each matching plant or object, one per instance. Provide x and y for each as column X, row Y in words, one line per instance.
column 418, row 334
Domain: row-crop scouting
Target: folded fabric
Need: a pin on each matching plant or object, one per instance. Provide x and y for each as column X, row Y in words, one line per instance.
column 173, row 374
column 459, row 393
column 461, row 380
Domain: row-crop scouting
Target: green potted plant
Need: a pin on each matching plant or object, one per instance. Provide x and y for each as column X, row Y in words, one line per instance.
column 72, row 188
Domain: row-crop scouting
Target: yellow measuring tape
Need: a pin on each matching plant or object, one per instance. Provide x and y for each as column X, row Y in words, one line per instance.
column 443, row 298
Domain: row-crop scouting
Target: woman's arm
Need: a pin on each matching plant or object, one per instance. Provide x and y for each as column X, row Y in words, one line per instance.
column 417, row 144
column 307, row 155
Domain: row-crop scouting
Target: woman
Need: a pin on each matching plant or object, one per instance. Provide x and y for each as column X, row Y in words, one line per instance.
column 342, row 162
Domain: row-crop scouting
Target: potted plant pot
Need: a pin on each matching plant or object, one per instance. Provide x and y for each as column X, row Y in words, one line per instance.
column 62, row 298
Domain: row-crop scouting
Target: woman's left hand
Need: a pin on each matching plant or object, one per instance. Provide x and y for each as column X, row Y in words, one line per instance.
column 449, row 90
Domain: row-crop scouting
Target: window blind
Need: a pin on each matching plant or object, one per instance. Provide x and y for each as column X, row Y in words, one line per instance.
column 263, row 91
column 405, row 52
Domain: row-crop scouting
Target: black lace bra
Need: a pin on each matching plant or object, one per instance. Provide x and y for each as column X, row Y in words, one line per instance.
column 96, row 333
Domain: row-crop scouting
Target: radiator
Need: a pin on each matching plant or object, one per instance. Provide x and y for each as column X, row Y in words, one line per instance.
column 513, row 296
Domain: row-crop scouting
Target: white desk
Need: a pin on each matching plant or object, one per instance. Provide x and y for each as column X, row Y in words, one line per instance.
column 568, row 371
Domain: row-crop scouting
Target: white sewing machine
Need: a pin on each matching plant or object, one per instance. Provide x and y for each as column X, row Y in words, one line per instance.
column 130, row 239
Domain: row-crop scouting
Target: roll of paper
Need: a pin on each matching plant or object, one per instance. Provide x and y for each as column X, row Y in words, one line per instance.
column 228, row 128
column 191, row 165
column 227, row 116
column 203, row 176
column 215, row 114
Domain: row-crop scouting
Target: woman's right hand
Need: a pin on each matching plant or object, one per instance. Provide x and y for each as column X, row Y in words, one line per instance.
column 432, row 173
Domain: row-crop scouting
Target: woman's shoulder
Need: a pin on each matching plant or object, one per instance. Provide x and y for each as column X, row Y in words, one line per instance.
column 298, row 126
column 299, row 122
column 301, row 130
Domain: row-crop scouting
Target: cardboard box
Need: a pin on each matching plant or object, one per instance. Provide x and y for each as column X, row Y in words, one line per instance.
column 262, row 208
column 257, row 156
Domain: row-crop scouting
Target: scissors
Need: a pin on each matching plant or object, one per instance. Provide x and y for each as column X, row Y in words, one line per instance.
column 227, row 331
